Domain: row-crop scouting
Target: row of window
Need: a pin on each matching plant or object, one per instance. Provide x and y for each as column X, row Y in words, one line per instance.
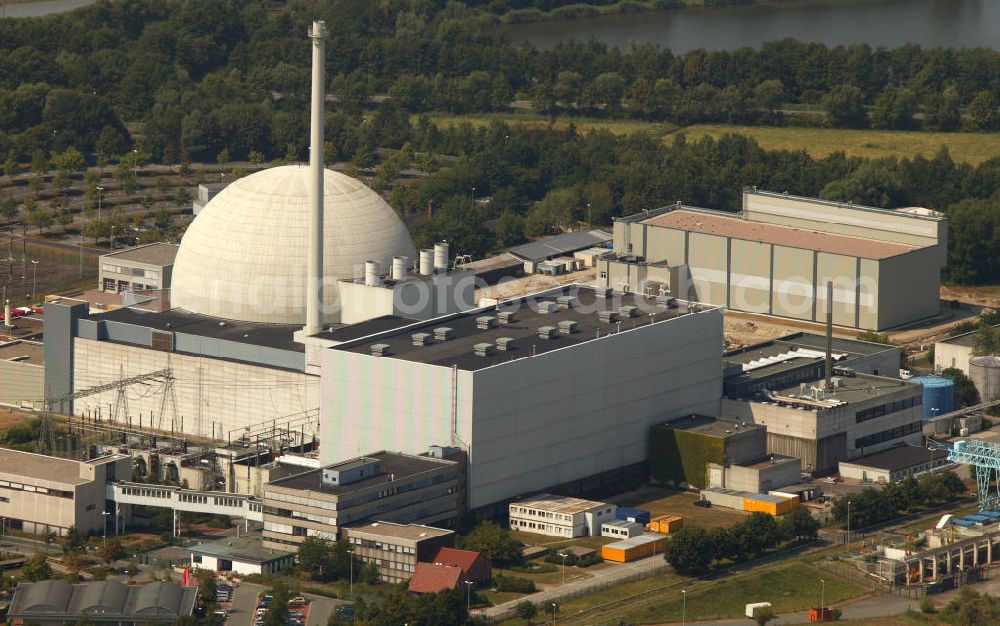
column 132, row 271
column 380, row 545
column 145, row 493
column 314, row 518
column 57, row 493
column 884, row 409
column 521, row 510
column 314, row 503
column 540, row 527
column 887, row 435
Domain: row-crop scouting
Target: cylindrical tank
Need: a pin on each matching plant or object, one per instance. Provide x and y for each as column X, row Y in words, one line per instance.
column 371, row 273
column 939, row 395
column 441, row 257
column 985, row 374
column 399, row 267
column 426, row 262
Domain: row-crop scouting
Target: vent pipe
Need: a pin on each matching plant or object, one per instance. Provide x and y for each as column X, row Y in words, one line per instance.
column 314, row 287
column 399, row 267
column 829, row 334
column 426, row 262
column 371, row 273
column 6, row 314
column 441, row 257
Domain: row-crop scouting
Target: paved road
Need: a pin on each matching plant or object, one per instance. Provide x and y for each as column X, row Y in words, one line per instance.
column 603, row 578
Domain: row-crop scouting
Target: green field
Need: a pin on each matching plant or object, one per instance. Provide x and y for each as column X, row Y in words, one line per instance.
column 818, row 142
column 788, row 587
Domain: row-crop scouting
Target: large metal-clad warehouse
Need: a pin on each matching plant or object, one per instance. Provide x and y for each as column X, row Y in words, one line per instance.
column 562, row 391
column 777, row 254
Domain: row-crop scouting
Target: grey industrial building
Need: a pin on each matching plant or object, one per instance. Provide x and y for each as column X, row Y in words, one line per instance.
column 859, row 415
column 554, row 389
column 143, row 268
column 22, row 374
column 383, row 486
column 893, row 465
column 397, row 548
column 776, row 255
column 801, row 357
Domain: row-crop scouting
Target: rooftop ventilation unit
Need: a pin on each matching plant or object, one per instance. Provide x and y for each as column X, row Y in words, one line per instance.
column 567, row 327
column 443, row 333
column 666, row 300
column 566, row 302
column 505, row 317
column 505, row 343
column 608, row 317
column 486, row 322
column 548, row 306
column 628, row 311
column 380, row 349
column 602, row 292
column 484, row 349
column 547, row 332
column 421, row 339
column 846, row 372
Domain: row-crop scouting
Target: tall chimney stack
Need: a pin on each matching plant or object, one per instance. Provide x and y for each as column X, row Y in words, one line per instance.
column 829, row 334
column 314, row 287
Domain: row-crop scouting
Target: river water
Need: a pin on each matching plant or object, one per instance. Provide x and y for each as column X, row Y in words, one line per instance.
column 43, row 7
column 889, row 23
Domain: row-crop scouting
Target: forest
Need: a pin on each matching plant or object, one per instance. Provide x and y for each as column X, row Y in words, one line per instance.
column 197, row 80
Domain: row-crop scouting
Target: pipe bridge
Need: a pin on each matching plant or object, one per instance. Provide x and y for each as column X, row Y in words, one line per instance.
column 187, row 500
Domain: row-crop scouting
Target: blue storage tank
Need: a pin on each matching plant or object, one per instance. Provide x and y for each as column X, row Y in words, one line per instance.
column 939, row 395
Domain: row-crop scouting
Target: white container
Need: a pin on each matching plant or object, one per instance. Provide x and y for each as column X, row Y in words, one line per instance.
column 426, row 262
column 399, row 267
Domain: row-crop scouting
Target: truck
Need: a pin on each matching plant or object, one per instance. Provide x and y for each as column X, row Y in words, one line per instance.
column 753, row 606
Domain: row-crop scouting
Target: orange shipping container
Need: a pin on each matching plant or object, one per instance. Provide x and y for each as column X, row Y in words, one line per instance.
column 633, row 549
column 769, row 506
column 665, row 524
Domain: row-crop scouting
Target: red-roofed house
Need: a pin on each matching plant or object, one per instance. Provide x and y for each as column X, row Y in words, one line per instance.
column 434, row 577
column 474, row 566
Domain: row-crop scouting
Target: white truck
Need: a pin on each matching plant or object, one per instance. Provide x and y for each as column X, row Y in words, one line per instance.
column 753, row 606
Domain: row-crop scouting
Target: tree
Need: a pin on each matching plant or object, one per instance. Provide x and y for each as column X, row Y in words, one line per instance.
column 552, row 213
column 526, row 610
column 944, row 110
column 70, row 161
column 8, row 208
column 689, row 551
column 769, row 94
column 983, row 111
column 111, row 550
column 10, row 166
column 277, row 611
column 800, row 524
column 40, row 217
column 987, row 341
column 207, row 587
column 494, row 542
column 510, row 229
column 72, row 541
column 966, row 393
column 324, row 560
column 845, row 107
column 762, row 615
column 37, row 568
column 368, row 573
column 894, row 109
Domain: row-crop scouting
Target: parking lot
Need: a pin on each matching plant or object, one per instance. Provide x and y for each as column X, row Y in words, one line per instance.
column 244, row 604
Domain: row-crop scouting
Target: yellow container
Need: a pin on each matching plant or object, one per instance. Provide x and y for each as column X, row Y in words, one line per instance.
column 633, row 549
column 665, row 524
column 771, row 508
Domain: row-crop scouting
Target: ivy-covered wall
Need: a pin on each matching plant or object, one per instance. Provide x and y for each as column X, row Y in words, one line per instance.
column 677, row 456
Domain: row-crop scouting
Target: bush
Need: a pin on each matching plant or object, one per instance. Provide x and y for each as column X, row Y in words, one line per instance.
column 513, row 584
column 588, row 560
column 927, row 605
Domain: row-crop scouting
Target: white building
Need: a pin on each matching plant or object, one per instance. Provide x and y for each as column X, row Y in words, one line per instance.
column 560, row 516
column 240, row 555
column 142, row 268
column 894, row 464
column 547, row 391
column 622, row 529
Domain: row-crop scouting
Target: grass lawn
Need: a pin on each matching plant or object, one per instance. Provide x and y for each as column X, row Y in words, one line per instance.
column 532, row 120
column 549, row 578
column 662, row 501
column 819, row 142
column 788, row 587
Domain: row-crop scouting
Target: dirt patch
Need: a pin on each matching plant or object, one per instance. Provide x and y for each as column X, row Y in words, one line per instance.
column 14, row 418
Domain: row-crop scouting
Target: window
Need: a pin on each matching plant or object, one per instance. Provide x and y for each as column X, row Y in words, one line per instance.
column 887, row 435
column 163, row 341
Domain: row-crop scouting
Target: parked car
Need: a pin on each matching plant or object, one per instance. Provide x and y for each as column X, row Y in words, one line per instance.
column 705, row 504
column 297, row 600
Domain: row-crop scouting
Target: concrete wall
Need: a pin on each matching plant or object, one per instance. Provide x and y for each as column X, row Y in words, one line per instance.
column 533, row 422
column 22, row 384
column 947, row 354
column 761, row 479
column 909, row 288
column 213, row 396
column 60, row 323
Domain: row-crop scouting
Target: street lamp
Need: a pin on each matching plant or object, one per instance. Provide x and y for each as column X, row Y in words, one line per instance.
column 135, row 165
column 34, row 266
column 105, row 515
column 100, row 193
column 590, row 221
column 684, row 606
column 350, row 553
column 848, row 521
column 468, row 598
column 822, row 602
column 563, row 555
column 554, row 607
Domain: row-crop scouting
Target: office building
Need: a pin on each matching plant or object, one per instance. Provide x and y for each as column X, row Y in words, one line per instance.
column 560, row 516
column 893, row 465
column 397, row 548
column 143, row 268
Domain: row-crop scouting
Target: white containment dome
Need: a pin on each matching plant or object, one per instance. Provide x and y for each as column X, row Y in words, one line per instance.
column 244, row 256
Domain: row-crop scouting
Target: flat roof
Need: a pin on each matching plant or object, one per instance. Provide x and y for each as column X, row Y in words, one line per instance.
column 391, row 466
column 561, row 244
column 247, row 549
column 638, row 540
column 524, row 329
column 502, row 260
column 178, row 320
column 855, row 388
column 762, row 497
column 898, row 458
column 414, row 532
column 967, row 340
column 351, row 332
column 713, row 426
column 844, row 351
column 773, row 459
column 161, row 254
column 16, row 349
column 40, row 467
column 559, row 504
column 725, row 224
